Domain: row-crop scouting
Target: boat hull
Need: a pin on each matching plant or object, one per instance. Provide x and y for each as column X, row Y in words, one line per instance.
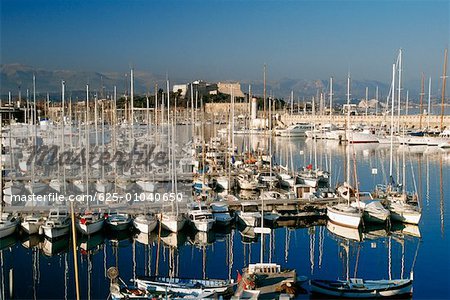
column 184, row 286
column 204, row 226
column 57, row 231
column 7, row 230
column 384, row 289
column 89, row 228
column 31, row 228
column 352, row 220
column 146, row 226
column 248, row 220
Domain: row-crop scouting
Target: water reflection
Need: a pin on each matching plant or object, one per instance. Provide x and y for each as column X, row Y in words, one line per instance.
column 314, row 247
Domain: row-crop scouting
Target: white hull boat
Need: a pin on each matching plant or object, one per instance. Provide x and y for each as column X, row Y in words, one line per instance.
column 344, row 215
column 8, row 226
column 32, row 224
column 403, row 212
column 249, row 214
column 88, row 224
column 57, row 224
column 171, row 221
column 200, row 217
column 145, row 223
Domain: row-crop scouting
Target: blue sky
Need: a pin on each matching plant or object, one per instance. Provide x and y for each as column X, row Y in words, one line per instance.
column 232, row 39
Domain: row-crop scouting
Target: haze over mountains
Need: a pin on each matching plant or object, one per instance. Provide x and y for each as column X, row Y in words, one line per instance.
column 14, row 76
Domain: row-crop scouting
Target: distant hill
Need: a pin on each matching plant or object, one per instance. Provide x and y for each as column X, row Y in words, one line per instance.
column 306, row 88
column 13, row 76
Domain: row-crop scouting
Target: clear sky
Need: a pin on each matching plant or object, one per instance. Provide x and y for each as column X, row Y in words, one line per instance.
column 229, row 39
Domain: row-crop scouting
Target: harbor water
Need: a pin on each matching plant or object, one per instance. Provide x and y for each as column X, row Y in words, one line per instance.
column 36, row 268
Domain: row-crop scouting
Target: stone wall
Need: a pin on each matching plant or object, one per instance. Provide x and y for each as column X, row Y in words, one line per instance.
column 225, row 108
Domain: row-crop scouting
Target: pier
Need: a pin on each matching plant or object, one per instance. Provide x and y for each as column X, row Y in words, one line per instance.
column 405, row 121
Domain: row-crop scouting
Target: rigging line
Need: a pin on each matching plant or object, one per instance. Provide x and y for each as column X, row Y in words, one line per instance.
column 413, row 178
column 415, row 255
column 357, row 260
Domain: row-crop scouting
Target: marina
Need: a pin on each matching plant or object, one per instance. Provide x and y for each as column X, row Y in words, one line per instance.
column 242, row 150
column 222, row 251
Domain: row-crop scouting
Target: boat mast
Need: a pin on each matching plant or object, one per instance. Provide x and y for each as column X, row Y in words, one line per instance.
column 429, row 104
column 399, row 90
column 348, row 133
column 132, row 98
column 421, row 100
column 444, row 79
column 331, row 98
column 264, row 94
column 392, row 123
column 87, row 144
column 63, row 87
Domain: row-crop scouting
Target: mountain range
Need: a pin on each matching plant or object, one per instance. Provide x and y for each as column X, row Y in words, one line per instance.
column 15, row 77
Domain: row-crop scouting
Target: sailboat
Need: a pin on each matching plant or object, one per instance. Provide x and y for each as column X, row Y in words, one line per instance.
column 341, row 213
column 8, row 223
column 397, row 198
column 145, row 223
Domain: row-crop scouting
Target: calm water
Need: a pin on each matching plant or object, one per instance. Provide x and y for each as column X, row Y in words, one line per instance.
column 315, row 251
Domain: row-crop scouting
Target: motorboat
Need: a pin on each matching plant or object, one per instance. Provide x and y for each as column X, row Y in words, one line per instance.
column 89, row 223
column 294, row 130
column 249, row 214
column 221, row 213
column 118, row 221
column 200, row 217
column 8, row 224
column 57, row 224
column 31, row 224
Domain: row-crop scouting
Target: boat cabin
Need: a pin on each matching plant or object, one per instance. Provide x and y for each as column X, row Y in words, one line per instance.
column 264, row 268
column 249, row 207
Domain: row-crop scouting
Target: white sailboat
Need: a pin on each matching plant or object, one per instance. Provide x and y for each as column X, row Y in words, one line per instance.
column 171, row 221
column 343, row 213
column 145, row 223
column 400, row 209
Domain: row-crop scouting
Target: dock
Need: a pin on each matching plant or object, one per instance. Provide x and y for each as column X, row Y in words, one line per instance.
column 404, row 121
